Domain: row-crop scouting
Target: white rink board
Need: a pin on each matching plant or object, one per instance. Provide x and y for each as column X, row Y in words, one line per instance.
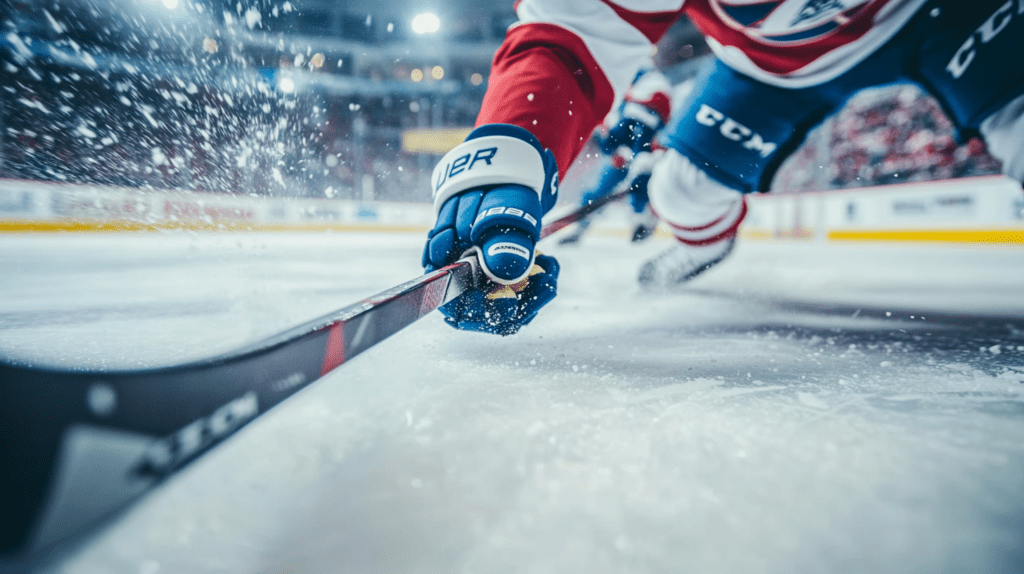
column 969, row 210
column 978, row 209
column 43, row 206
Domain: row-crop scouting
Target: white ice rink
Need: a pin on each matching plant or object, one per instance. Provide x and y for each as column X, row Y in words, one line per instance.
column 801, row 409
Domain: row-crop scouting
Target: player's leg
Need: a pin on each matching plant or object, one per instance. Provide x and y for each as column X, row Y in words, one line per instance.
column 971, row 58
column 727, row 140
column 644, row 220
column 702, row 214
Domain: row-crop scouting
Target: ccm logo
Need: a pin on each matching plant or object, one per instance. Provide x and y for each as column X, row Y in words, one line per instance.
column 733, row 130
column 985, row 33
column 507, row 211
column 465, row 163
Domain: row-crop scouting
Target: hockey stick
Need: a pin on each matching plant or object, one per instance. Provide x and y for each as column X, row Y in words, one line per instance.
column 584, row 211
column 77, row 446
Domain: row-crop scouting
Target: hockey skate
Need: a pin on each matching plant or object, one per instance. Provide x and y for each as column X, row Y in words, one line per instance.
column 681, row 263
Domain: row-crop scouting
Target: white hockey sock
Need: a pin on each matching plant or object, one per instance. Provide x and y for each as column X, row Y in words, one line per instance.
column 699, row 210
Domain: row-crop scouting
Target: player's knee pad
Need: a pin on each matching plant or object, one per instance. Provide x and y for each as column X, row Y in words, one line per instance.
column 698, row 209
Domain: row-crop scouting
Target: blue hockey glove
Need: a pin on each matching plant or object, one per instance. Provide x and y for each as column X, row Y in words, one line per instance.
column 490, row 194
column 630, row 134
column 643, row 112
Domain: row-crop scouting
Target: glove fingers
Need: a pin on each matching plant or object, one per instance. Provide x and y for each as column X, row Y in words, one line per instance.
column 475, row 311
column 506, row 255
column 439, row 249
column 469, row 204
column 505, row 308
column 505, row 229
column 541, row 289
column 450, row 237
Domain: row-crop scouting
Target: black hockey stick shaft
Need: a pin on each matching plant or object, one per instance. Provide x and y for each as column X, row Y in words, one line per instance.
column 157, row 420
column 583, row 211
column 621, row 190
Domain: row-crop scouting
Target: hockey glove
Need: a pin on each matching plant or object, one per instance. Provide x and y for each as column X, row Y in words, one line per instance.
column 490, row 193
column 629, row 134
column 643, row 112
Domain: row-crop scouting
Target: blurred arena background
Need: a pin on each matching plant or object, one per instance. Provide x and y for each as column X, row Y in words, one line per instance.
column 877, row 445
column 348, row 99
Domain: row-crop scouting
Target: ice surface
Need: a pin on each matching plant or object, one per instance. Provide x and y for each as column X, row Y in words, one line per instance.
column 768, row 418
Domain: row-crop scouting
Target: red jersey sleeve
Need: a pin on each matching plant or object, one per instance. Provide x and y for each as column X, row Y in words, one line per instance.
column 544, row 79
column 564, row 65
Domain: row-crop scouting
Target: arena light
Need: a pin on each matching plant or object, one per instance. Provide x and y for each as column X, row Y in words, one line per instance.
column 437, row 72
column 426, row 23
column 170, row 4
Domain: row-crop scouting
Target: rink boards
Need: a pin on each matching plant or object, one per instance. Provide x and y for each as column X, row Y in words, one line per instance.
column 54, row 207
column 969, row 210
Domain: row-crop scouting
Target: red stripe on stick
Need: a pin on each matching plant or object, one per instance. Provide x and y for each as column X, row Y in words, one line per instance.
column 433, row 294
column 335, row 353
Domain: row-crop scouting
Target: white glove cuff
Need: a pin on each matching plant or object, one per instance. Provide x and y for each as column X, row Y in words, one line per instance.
column 488, row 160
column 477, row 254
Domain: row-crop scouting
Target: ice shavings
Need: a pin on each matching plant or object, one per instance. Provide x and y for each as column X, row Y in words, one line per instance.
column 33, row 104
column 253, row 18
column 20, row 48
column 85, row 131
column 159, row 158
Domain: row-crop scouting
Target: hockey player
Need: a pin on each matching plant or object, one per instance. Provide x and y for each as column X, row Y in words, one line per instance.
column 782, row 66
column 628, row 134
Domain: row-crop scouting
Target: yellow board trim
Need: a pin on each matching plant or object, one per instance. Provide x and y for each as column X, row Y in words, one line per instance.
column 931, row 235
column 1006, row 235
column 748, row 233
column 117, row 226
